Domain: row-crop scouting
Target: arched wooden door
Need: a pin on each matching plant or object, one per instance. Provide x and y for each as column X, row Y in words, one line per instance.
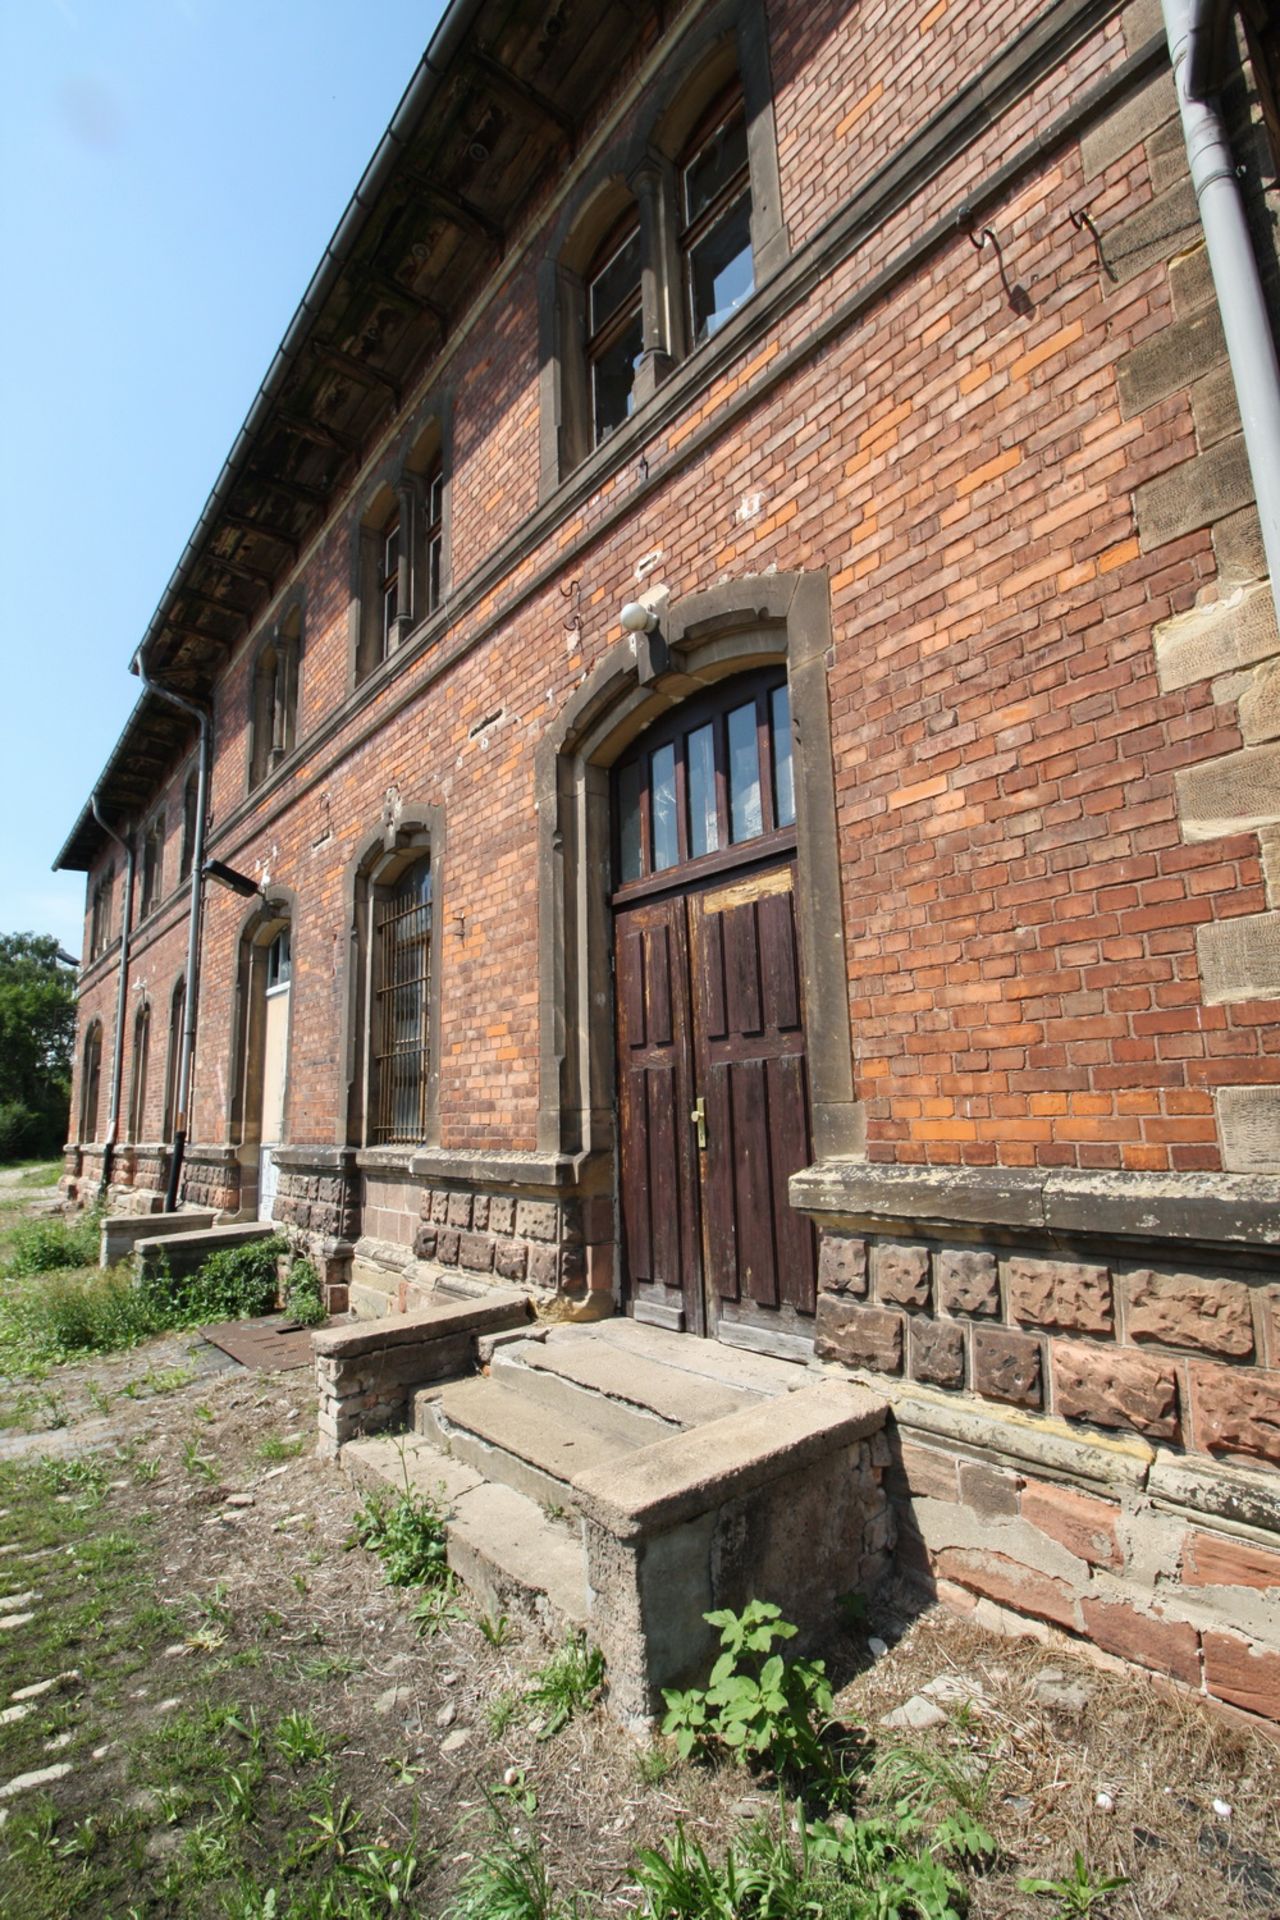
column 713, row 1084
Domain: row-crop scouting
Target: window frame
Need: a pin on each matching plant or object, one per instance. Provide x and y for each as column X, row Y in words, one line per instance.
column 101, row 913
column 151, row 886
column 675, row 729
column 723, row 60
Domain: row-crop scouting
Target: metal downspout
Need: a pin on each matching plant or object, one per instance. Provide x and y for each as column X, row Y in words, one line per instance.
column 1251, row 348
column 192, row 996
column 122, row 990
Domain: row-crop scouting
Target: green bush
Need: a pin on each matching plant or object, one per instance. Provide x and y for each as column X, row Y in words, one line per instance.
column 56, row 1240
column 237, row 1283
column 22, row 1131
column 303, row 1299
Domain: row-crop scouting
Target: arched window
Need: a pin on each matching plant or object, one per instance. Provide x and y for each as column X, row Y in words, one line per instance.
column 394, row 1061
column 400, row 1041
column 402, row 556
column 100, row 914
column 275, row 698
column 91, row 1083
column 669, row 249
column 715, row 218
column 173, row 1057
column 152, row 867
column 141, row 1064
column 615, row 335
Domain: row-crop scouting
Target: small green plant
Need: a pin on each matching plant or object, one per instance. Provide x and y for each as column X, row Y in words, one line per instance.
column 1078, row 1892
column 756, row 1705
column 303, row 1299
column 275, row 1448
column 567, row 1684
column 408, row 1536
column 336, row 1823
column 501, row 1712
column 653, row 1764
column 496, row 1632
column 510, row 1881
column 437, row 1607
column 298, row 1740
column 198, row 1464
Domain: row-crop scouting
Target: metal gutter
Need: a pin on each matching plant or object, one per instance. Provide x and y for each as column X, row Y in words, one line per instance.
column 1251, row 349
column 122, row 992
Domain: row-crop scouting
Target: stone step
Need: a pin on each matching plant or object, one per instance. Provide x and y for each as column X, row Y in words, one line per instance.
column 731, row 1366
column 570, row 1374
column 502, row 1546
column 508, row 1437
column 515, row 1559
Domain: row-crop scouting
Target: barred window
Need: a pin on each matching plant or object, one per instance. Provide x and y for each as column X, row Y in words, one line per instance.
column 401, row 1009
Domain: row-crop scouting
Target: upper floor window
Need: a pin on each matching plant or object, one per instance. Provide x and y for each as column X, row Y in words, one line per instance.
column 686, row 227
column 275, row 698
column 615, row 332
column 152, row 867
column 401, row 561
column 715, row 235
column 100, row 915
column 389, row 583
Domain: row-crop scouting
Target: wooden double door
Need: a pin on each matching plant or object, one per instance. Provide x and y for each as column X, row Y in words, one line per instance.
column 714, row 1101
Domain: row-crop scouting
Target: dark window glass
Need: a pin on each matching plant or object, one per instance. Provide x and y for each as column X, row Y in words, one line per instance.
column 721, row 272
column 784, row 786
column 629, row 838
column 617, row 282
column 704, row 825
column 435, row 538
column 389, row 580
column 612, row 377
column 716, row 222
column 662, row 789
column 745, row 817
column 401, row 1037
column 279, row 961
column 615, row 336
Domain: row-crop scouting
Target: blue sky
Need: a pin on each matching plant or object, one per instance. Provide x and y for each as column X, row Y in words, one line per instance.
column 170, row 171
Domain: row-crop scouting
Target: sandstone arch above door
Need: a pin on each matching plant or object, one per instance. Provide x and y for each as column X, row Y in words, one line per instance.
column 771, row 621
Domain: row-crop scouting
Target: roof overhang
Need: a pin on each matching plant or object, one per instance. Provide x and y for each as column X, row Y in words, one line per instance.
column 486, row 123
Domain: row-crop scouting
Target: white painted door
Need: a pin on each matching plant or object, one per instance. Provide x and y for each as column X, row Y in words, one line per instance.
column 275, row 1070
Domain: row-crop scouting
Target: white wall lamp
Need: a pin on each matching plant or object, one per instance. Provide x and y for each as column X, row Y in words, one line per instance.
column 637, row 618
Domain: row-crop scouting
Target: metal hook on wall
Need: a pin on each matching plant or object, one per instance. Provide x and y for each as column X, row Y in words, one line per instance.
column 1017, row 296
column 572, row 590
column 1083, row 222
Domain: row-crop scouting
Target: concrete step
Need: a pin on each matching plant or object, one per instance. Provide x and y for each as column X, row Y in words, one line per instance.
column 570, row 1373
column 406, row 1463
column 508, row 1437
column 704, row 1359
column 502, row 1546
column 516, row 1560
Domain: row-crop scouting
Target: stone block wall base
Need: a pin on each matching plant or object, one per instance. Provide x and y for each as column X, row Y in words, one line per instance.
column 1162, row 1563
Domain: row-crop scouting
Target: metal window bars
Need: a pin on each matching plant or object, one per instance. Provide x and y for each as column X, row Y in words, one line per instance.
column 402, row 992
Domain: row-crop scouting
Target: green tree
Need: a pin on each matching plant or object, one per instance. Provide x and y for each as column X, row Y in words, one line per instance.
column 37, row 1031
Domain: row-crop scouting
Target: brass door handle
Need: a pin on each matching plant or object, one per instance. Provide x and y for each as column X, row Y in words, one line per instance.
column 699, row 1119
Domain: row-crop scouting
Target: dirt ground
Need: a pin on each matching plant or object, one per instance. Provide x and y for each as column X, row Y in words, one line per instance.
column 195, row 1575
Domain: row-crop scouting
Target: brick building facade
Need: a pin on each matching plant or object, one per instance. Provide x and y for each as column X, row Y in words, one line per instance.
column 919, row 834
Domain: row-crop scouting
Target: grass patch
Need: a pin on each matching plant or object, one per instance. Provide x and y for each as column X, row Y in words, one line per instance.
column 64, row 1306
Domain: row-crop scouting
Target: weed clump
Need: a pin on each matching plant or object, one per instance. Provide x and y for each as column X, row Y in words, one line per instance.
column 52, row 1243
column 408, row 1536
